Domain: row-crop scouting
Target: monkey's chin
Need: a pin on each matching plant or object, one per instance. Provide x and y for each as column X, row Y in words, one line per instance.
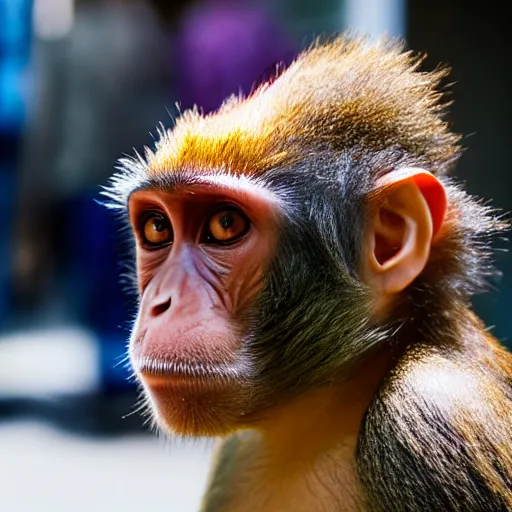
column 193, row 407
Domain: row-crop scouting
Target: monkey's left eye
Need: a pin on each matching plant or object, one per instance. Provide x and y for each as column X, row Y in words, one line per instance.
column 226, row 226
column 156, row 229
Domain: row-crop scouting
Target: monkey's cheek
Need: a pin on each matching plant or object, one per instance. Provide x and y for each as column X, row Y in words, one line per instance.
column 188, row 408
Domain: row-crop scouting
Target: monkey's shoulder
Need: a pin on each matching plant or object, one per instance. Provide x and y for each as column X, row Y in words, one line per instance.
column 438, row 437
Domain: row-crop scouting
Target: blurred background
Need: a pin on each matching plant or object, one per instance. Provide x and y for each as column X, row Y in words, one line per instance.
column 83, row 82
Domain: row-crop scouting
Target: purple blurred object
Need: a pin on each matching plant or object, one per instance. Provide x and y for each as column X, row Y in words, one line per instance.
column 225, row 47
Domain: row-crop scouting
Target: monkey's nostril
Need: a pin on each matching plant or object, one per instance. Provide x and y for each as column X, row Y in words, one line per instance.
column 160, row 308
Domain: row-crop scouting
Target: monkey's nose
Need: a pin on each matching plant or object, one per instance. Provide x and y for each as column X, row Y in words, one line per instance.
column 160, row 307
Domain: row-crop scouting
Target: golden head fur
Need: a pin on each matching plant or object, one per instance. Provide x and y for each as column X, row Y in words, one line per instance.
column 341, row 95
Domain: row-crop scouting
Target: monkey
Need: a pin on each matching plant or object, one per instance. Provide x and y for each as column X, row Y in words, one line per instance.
column 305, row 266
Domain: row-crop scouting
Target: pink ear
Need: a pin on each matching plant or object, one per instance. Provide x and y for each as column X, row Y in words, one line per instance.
column 429, row 186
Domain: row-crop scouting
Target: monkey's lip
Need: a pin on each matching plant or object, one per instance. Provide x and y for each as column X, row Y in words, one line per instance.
column 163, row 385
column 168, row 380
column 157, row 375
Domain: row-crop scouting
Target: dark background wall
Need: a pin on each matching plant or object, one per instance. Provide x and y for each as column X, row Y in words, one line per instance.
column 473, row 38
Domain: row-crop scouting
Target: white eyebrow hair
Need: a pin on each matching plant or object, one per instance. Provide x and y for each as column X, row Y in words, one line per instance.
column 240, row 183
column 132, row 175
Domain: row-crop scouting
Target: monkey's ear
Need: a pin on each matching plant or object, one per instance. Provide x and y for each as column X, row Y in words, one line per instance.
column 408, row 208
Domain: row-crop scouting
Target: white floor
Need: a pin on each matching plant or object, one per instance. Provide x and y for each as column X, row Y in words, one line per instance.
column 43, row 470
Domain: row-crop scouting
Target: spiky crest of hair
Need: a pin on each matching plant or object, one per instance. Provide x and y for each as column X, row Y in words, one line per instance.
column 340, row 95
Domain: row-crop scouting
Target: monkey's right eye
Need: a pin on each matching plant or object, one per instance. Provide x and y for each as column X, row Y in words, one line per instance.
column 156, row 229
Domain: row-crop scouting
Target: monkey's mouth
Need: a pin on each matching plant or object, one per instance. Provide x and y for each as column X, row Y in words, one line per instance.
column 191, row 399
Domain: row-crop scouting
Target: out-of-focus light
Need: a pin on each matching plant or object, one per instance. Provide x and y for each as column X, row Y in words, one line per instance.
column 40, row 364
column 376, row 17
column 53, row 19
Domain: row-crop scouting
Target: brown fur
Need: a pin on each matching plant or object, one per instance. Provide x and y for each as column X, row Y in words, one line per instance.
column 447, row 408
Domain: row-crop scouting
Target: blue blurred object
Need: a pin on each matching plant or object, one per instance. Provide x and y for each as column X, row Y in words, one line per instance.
column 96, row 253
column 15, row 37
column 6, row 190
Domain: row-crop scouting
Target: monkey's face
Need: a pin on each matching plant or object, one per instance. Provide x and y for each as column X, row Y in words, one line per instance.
column 246, row 297
column 253, row 291
column 202, row 252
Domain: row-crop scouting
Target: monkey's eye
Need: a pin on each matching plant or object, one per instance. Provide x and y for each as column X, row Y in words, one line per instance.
column 156, row 229
column 227, row 225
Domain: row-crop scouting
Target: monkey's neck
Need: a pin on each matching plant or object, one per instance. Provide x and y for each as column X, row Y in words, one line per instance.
column 325, row 417
column 306, row 447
